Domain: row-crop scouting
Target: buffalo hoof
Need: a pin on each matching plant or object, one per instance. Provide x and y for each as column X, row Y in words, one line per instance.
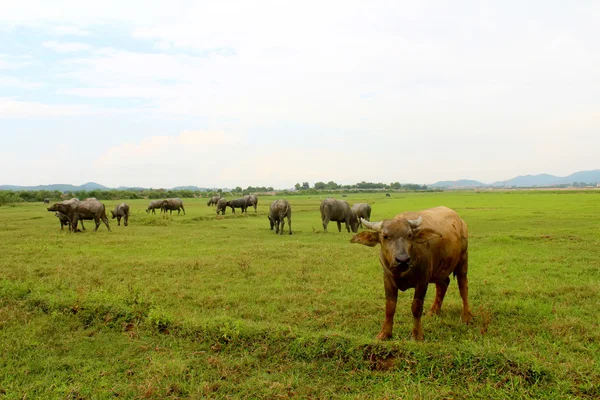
column 466, row 317
column 418, row 335
column 384, row 336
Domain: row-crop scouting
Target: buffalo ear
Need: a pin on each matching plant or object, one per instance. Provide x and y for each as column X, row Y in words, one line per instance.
column 368, row 238
column 425, row 235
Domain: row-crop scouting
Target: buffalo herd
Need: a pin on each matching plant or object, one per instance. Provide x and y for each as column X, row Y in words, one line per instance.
column 416, row 248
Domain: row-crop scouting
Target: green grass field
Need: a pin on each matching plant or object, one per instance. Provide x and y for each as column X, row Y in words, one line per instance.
column 206, row 306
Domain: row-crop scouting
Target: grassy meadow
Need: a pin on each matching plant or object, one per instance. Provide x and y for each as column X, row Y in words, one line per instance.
column 207, row 306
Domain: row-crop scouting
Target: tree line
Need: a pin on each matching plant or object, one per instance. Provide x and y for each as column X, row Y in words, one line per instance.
column 331, row 185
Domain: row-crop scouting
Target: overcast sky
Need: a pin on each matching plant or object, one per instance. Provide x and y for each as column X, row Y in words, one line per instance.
column 227, row 93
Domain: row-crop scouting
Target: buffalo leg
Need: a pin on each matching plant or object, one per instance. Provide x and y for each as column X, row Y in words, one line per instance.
column 119, row 220
column 82, row 227
column 325, row 222
column 105, row 220
column 183, row 209
column 290, row 224
column 463, row 287
column 348, row 225
column 126, row 218
column 440, row 292
column 417, row 312
column 391, row 296
column 97, row 221
column 340, row 226
column 282, row 226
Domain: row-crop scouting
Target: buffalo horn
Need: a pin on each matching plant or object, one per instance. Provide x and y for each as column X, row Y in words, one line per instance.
column 376, row 226
column 414, row 223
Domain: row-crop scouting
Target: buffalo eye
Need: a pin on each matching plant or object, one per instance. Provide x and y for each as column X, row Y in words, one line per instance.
column 386, row 237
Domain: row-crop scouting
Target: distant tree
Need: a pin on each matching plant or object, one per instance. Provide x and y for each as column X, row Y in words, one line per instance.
column 238, row 189
column 305, row 185
column 270, row 189
column 331, row 185
column 320, row 185
column 298, row 186
column 395, row 185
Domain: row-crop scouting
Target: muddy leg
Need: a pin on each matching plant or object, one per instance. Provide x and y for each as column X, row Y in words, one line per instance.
column 440, row 292
column 340, row 226
column 391, row 296
column 282, row 226
column 290, row 224
column 417, row 312
column 463, row 287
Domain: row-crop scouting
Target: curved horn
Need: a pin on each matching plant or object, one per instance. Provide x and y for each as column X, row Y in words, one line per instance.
column 415, row 223
column 376, row 226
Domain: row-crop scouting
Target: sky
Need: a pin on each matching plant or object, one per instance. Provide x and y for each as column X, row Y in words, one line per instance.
column 270, row 93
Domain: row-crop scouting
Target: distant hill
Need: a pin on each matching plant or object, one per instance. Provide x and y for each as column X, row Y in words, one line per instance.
column 525, row 181
column 194, row 188
column 459, row 184
column 60, row 187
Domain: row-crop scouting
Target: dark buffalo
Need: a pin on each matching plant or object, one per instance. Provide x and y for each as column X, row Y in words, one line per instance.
column 46, row 201
column 251, row 201
column 173, row 204
column 70, row 205
column 154, row 204
column 362, row 210
column 64, row 220
column 213, row 200
column 222, row 206
column 418, row 249
column 238, row 203
column 279, row 210
column 339, row 211
column 388, row 195
column 121, row 211
column 88, row 209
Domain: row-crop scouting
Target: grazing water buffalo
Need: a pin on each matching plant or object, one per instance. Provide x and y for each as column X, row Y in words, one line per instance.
column 222, row 206
column 251, row 201
column 339, row 211
column 213, row 200
column 121, row 211
column 64, row 220
column 173, row 204
column 88, row 209
column 418, row 249
column 238, row 203
column 154, row 204
column 46, row 201
column 279, row 210
column 388, row 195
column 362, row 210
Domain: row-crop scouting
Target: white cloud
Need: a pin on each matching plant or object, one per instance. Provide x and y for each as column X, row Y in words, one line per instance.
column 66, row 47
column 9, row 81
column 10, row 108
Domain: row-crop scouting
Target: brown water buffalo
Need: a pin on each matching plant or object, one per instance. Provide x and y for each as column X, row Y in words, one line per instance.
column 362, row 210
column 251, row 201
column 154, row 204
column 222, row 206
column 213, row 200
column 173, row 204
column 121, row 211
column 418, row 249
column 279, row 210
column 88, row 209
column 46, row 200
column 238, row 203
column 339, row 211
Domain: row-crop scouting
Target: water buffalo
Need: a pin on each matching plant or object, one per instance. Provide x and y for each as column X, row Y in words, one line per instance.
column 418, row 249
column 91, row 198
column 251, row 201
column 213, row 200
column 46, row 201
column 222, row 206
column 238, row 203
column 88, row 209
column 64, row 220
column 121, row 211
column 68, row 205
column 362, row 210
column 388, row 195
column 339, row 211
column 173, row 204
column 154, row 204
column 279, row 210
